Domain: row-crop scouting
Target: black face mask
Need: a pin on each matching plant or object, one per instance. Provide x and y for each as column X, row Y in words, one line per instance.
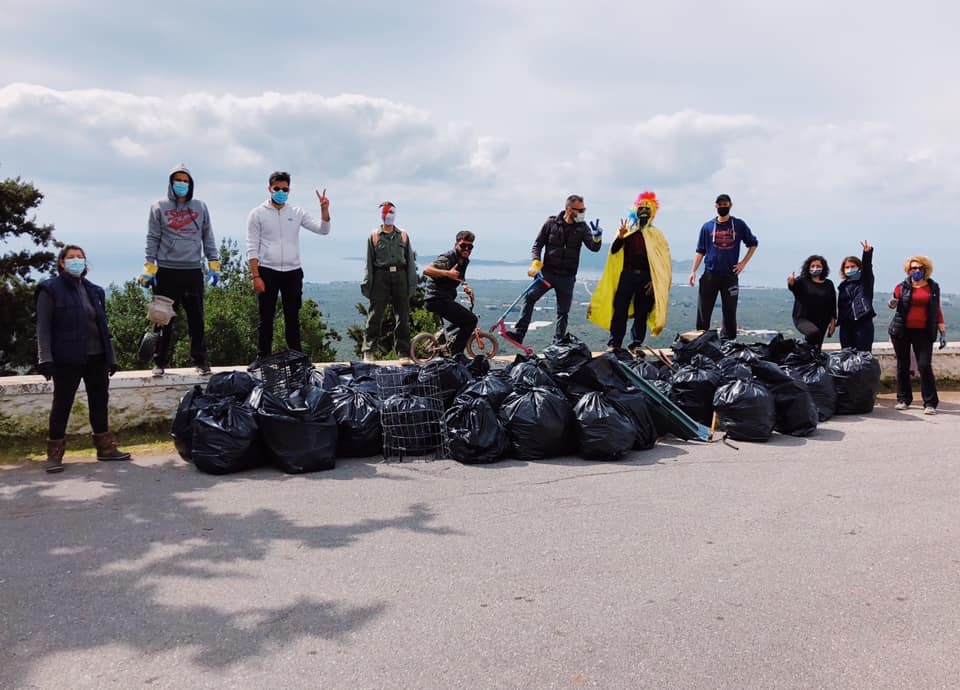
column 723, row 211
column 643, row 219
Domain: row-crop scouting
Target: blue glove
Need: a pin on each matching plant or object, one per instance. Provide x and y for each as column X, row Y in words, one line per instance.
column 213, row 273
column 596, row 230
column 943, row 339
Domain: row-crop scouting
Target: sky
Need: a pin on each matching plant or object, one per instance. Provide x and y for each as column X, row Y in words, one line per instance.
column 828, row 123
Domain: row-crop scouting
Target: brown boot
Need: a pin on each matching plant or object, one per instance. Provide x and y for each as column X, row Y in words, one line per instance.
column 54, row 462
column 107, row 449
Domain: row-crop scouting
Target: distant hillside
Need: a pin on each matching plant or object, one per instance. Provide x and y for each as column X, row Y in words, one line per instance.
column 759, row 309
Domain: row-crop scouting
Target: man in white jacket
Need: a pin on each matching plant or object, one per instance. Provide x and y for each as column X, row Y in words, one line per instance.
column 273, row 250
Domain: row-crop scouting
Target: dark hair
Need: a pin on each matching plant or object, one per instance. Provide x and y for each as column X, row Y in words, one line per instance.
column 466, row 235
column 63, row 255
column 278, row 176
column 805, row 269
column 723, row 197
column 572, row 199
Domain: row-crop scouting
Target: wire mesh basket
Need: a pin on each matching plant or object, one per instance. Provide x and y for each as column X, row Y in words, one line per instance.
column 285, row 372
column 412, row 414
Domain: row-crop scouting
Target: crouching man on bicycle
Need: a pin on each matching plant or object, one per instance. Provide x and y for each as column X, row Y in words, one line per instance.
column 446, row 273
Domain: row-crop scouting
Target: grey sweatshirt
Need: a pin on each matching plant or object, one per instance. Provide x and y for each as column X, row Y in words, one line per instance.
column 179, row 235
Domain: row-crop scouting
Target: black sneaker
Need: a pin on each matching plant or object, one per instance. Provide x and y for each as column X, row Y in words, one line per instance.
column 512, row 335
column 203, row 369
column 255, row 364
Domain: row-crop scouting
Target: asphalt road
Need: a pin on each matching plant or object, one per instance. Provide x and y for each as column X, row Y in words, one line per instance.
column 831, row 561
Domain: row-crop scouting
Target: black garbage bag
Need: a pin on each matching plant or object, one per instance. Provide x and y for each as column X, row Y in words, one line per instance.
column 357, row 375
column 451, row 375
column 604, row 431
column 651, row 371
column 779, row 348
column 225, row 439
column 693, row 387
column 539, row 423
column 733, row 369
column 795, row 410
column 357, row 413
column 492, row 388
column 182, row 427
column 530, row 374
column 233, row 384
column 741, row 352
column 812, row 369
column 637, row 406
column 745, row 411
column 706, row 344
column 856, row 377
column 411, row 424
column 299, row 431
column 479, row 366
column 475, row 434
column 602, row 373
column 564, row 356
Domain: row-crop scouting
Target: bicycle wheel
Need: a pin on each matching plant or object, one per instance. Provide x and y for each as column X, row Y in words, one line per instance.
column 424, row 347
column 487, row 345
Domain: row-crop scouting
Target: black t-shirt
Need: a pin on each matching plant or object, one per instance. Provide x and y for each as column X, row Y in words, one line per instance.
column 446, row 288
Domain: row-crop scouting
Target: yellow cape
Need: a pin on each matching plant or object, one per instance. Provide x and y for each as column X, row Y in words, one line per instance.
column 600, row 310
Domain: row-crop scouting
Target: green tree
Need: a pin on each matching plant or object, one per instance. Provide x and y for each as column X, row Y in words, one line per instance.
column 230, row 314
column 20, row 269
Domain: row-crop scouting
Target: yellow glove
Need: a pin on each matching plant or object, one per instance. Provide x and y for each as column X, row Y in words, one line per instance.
column 214, row 266
column 149, row 275
column 535, row 268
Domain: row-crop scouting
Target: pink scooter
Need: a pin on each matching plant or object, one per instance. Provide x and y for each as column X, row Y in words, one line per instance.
column 500, row 326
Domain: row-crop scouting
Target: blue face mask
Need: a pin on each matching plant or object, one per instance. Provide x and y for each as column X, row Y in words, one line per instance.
column 853, row 273
column 816, row 271
column 181, row 189
column 75, row 267
column 917, row 275
column 280, row 197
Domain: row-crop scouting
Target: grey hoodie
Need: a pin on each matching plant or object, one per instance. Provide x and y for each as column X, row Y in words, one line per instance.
column 179, row 235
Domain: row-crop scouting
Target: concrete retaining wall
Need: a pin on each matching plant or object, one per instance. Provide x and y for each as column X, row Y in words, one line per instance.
column 137, row 399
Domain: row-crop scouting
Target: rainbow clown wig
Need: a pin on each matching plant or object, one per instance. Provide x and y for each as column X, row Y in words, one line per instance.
column 648, row 199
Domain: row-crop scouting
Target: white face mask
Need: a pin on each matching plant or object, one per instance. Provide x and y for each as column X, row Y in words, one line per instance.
column 579, row 217
column 389, row 218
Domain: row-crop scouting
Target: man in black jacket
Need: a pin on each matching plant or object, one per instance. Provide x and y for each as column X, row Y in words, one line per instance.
column 559, row 244
column 446, row 273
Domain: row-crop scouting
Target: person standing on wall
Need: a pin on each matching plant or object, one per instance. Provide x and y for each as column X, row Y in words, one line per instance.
column 390, row 278
column 718, row 248
column 556, row 255
column 273, row 251
column 179, row 236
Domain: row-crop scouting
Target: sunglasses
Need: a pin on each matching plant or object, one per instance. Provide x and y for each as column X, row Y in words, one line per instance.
column 466, row 245
column 916, row 268
column 281, row 189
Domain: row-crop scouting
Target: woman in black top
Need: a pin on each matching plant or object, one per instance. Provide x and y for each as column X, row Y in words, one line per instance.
column 855, row 312
column 815, row 300
column 74, row 344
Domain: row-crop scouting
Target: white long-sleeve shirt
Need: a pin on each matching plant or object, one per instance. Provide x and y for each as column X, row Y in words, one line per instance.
column 273, row 235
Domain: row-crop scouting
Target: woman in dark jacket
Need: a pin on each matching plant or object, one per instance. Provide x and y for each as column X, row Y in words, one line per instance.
column 915, row 325
column 74, row 344
column 855, row 301
column 815, row 300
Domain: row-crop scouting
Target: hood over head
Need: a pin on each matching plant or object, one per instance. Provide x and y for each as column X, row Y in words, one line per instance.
column 182, row 169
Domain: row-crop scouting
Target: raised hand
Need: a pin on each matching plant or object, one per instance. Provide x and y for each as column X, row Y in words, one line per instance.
column 623, row 228
column 791, row 279
column 866, row 246
column 324, row 201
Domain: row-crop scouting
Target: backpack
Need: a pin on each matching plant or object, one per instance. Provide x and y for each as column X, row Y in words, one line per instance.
column 375, row 237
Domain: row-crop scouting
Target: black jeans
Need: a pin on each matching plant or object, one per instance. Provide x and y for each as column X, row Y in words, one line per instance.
column 289, row 285
column 66, row 379
column 919, row 340
column 727, row 286
column 857, row 334
column 185, row 287
column 457, row 315
column 813, row 333
column 563, row 284
column 631, row 287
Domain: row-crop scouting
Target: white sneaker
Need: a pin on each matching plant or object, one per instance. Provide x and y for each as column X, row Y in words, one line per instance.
column 369, row 358
column 929, row 410
column 901, row 406
column 157, row 371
